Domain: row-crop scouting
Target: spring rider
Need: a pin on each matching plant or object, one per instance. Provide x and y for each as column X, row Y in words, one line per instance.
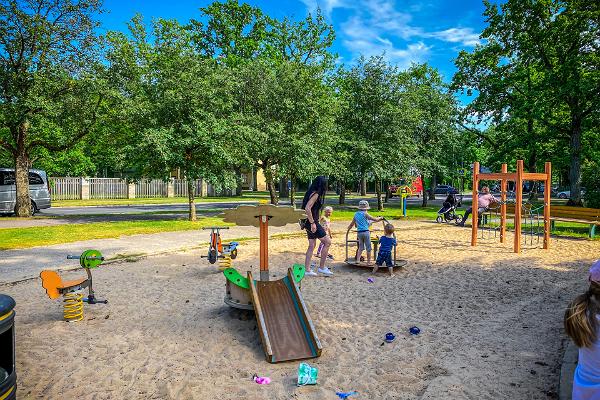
column 72, row 290
column 224, row 252
column 8, row 373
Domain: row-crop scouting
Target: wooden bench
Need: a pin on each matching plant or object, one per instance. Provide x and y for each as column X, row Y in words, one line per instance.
column 579, row 215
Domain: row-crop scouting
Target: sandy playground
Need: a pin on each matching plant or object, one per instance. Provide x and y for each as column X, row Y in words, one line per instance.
column 491, row 325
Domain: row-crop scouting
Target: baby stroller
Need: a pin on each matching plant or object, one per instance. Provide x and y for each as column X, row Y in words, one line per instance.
column 448, row 211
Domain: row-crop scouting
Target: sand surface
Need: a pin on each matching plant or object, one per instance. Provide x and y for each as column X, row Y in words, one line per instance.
column 491, row 324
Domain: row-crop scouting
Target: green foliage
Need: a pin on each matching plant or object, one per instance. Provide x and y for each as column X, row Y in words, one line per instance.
column 591, row 181
column 536, row 80
column 51, row 81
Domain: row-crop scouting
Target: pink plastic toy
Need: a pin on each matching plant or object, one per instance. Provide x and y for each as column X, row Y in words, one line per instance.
column 262, row 380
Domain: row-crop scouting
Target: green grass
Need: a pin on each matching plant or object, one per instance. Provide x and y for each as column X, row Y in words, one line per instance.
column 19, row 238
column 157, row 200
column 342, row 213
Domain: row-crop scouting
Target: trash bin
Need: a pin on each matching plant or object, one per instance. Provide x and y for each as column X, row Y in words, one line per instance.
column 8, row 374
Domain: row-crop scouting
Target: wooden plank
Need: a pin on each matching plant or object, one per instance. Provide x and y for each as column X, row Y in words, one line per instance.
column 496, row 176
column 474, row 206
column 305, row 315
column 547, row 209
column 503, row 184
column 282, row 324
column 260, row 319
column 534, row 176
column 518, row 205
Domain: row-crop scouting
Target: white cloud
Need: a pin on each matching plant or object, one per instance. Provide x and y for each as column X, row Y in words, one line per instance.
column 326, row 6
column 377, row 26
column 464, row 36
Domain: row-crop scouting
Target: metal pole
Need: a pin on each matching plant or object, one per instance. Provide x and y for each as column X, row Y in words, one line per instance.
column 264, row 247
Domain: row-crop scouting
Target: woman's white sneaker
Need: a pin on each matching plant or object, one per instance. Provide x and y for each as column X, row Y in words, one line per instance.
column 325, row 271
column 311, row 273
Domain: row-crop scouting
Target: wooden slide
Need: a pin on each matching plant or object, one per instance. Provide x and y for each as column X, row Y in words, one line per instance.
column 286, row 330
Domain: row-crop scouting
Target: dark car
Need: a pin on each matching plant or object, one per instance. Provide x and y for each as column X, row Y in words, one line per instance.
column 445, row 189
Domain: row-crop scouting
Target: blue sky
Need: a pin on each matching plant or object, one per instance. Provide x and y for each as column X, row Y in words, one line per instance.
column 431, row 31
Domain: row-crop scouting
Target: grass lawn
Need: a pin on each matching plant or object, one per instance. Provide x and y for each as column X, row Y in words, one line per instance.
column 157, row 200
column 19, row 238
column 15, row 238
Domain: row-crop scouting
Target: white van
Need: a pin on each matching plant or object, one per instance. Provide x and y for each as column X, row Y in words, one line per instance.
column 39, row 190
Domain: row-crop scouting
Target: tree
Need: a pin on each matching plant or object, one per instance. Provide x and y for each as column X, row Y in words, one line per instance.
column 433, row 116
column 539, row 63
column 374, row 120
column 288, row 108
column 179, row 105
column 50, row 80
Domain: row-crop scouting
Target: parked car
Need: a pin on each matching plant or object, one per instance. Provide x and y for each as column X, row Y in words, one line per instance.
column 39, row 190
column 566, row 194
column 445, row 189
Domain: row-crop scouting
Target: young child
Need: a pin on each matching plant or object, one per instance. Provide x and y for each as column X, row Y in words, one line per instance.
column 361, row 221
column 326, row 224
column 386, row 245
column 582, row 319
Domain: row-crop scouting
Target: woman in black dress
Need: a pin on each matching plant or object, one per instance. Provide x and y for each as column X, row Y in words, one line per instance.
column 312, row 203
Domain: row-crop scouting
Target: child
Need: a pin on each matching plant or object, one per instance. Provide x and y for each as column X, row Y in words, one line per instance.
column 386, row 245
column 582, row 319
column 326, row 224
column 361, row 221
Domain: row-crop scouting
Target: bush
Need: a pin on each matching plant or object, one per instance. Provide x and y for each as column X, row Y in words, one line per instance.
column 591, row 181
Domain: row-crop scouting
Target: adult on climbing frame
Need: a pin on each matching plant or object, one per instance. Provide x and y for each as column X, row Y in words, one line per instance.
column 312, row 203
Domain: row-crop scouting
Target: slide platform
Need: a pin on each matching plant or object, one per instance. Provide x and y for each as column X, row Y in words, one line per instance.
column 286, row 329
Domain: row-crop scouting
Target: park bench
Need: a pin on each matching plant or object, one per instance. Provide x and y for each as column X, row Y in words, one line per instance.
column 580, row 215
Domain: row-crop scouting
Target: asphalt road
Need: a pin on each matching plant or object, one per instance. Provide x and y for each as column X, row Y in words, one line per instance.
column 200, row 207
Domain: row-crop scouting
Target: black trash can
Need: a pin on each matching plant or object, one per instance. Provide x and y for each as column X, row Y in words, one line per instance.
column 8, row 374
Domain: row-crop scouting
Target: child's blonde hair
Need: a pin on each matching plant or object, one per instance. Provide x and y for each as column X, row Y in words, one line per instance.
column 388, row 229
column 328, row 208
column 580, row 318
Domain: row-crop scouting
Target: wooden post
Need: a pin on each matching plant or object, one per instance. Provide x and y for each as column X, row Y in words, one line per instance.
column 264, row 247
column 474, row 214
column 503, row 184
column 518, row 205
column 547, row 189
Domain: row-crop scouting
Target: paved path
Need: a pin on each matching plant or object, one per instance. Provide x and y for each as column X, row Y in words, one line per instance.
column 16, row 265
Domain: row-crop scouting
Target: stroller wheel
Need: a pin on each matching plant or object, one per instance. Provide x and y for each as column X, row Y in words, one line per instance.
column 458, row 219
column 439, row 219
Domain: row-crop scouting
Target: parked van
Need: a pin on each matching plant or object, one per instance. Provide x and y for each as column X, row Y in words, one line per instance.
column 39, row 190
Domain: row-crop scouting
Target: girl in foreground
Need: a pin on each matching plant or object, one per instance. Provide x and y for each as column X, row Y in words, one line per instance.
column 582, row 319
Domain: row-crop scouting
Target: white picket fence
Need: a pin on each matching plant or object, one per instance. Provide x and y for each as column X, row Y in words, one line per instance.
column 108, row 188
column 69, row 188
column 181, row 189
column 151, row 188
column 65, row 188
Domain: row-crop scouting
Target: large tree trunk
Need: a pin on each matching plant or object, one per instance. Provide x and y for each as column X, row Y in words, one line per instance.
column 378, row 191
column 575, row 167
column 23, row 200
column 363, row 185
column 342, row 199
column 254, row 176
column 191, row 199
column 293, row 192
column 424, row 203
column 283, row 188
column 432, row 187
column 270, row 184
